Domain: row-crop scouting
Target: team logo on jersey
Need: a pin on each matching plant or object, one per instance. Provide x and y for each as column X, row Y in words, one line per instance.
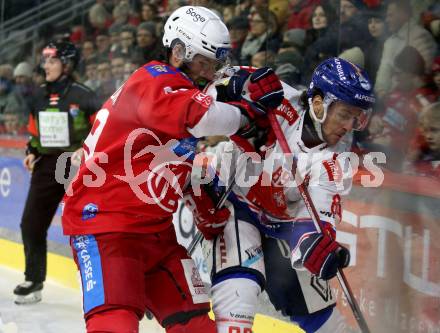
column 74, row 110
column 333, row 169
column 156, row 70
column 202, row 99
column 168, row 170
column 89, row 211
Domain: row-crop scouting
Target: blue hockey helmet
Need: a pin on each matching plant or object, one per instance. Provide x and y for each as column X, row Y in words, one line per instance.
column 340, row 80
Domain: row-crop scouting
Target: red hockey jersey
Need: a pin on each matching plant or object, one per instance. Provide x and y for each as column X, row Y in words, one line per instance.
column 133, row 175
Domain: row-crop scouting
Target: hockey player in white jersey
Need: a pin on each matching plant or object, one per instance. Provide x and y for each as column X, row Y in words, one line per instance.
column 318, row 125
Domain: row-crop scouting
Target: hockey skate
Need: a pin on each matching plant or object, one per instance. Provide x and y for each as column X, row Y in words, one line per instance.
column 28, row 292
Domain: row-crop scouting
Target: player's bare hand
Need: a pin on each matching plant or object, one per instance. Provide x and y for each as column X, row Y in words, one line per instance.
column 29, row 162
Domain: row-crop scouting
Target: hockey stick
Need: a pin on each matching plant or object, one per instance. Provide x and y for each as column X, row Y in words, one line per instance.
column 315, row 217
column 199, row 236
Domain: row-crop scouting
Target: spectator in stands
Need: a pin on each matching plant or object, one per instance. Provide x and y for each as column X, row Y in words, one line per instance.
column 404, row 32
column 24, row 85
column 99, row 17
column 322, row 16
column 13, row 123
column 117, row 64
column 115, row 36
column 87, row 52
column 281, row 10
column 149, row 12
column 106, row 84
column 427, row 161
column 351, row 31
column 238, row 30
column 126, row 42
column 373, row 47
column 263, row 59
column 9, row 99
column 392, row 130
column 355, row 55
column 122, row 14
column 77, row 33
column 293, row 40
column 148, row 47
column 263, row 35
column 91, row 74
column 38, row 76
column 102, row 45
column 301, row 12
column 288, row 67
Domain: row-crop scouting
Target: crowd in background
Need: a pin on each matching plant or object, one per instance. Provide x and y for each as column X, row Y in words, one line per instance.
column 395, row 41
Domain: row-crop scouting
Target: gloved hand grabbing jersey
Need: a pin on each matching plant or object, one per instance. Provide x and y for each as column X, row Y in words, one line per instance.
column 208, row 220
column 317, row 251
column 264, row 90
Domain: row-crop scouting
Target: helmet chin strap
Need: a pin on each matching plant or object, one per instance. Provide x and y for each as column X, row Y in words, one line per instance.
column 317, row 123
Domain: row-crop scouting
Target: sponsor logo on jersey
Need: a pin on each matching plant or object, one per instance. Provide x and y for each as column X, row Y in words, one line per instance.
column 326, row 213
column 333, row 169
column 74, row 110
column 202, row 99
column 156, row 70
column 89, row 261
column 287, row 111
column 195, row 16
column 89, row 211
column 254, row 254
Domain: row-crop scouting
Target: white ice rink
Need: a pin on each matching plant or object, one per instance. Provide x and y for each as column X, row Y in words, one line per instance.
column 59, row 311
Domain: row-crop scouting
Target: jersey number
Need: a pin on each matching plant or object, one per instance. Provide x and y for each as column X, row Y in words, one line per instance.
column 92, row 139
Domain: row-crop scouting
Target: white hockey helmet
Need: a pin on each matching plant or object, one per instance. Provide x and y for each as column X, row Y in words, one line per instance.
column 200, row 30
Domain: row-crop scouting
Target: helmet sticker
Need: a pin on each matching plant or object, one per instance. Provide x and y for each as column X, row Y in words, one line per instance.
column 222, row 53
column 186, row 35
column 50, row 52
column 196, row 17
column 339, row 69
column 364, row 82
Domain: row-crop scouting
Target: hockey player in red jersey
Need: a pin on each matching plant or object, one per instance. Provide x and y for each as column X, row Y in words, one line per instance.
column 118, row 210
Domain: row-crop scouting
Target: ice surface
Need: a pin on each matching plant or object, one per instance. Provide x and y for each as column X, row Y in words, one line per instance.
column 59, row 311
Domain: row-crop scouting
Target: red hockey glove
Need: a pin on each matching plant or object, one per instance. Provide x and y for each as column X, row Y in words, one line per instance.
column 265, row 88
column 208, row 220
column 325, row 256
column 317, row 251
